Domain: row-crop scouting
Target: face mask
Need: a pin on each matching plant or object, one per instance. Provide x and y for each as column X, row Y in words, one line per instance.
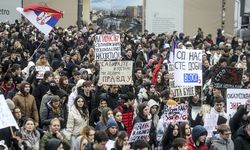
column 53, row 88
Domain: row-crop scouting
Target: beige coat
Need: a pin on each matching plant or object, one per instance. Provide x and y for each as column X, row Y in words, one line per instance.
column 76, row 122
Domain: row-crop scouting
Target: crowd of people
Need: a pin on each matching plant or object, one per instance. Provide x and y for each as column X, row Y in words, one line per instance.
column 51, row 85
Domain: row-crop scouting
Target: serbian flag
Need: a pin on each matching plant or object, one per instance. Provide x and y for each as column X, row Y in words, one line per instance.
column 171, row 54
column 42, row 17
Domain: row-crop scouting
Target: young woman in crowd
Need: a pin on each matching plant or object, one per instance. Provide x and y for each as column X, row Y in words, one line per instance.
column 52, row 110
column 118, row 119
column 170, row 134
column 30, row 135
column 78, row 118
column 112, row 131
column 121, row 142
column 80, row 143
column 105, row 115
column 89, row 133
column 179, row 144
column 185, row 130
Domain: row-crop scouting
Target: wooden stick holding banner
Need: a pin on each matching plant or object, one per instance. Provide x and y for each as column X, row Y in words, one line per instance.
column 31, row 57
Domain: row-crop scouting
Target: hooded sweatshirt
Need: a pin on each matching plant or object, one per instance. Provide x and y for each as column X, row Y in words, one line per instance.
column 221, row 144
column 53, row 144
column 196, row 133
column 242, row 141
column 155, row 117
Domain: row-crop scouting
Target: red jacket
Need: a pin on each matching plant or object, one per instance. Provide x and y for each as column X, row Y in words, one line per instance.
column 191, row 145
column 127, row 117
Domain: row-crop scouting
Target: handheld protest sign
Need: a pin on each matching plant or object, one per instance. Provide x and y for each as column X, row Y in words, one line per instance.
column 179, row 91
column 116, row 72
column 178, row 113
column 188, row 67
column 107, row 47
column 140, row 131
column 235, row 98
column 227, row 77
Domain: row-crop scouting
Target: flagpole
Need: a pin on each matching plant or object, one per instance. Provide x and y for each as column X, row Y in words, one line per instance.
column 36, row 50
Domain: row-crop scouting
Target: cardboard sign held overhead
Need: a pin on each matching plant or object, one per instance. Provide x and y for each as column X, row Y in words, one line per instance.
column 179, row 91
column 107, row 47
column 176, row 113
column 116, row 72
column 227, row 77
column 188, row 67
column 235, row 98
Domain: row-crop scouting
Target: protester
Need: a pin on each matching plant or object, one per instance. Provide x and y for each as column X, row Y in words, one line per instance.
column 107, row 113
column 63, row 65
column 96, row 113
column 242, row 139
column 54, row 144
column 239, row 119
column 100, row 141
column 52, row 110
column 127, row 110
column 54, row 132
column 26, row 102
column 170, row 134
column 30, row 135
column 77, row 119
column 179, row 144
column 121, row 142
column 118, row 118
column 223, row 142
column 198, row 139
column 141, row 145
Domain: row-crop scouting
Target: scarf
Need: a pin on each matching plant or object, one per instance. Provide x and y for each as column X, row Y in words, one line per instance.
column 31, row 137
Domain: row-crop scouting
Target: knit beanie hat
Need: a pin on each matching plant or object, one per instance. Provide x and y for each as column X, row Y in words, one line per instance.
column 10, row 104
column 111, row 122
column 171, row 102
column 198, row 131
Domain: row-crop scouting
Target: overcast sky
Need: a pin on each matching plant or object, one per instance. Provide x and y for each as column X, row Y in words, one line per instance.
column 114, row 4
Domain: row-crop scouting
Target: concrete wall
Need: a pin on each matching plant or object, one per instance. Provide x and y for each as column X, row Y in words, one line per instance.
column 205, row 14
column 230, row 18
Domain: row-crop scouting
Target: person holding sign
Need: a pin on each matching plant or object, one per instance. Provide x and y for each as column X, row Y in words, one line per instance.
column 143, row 115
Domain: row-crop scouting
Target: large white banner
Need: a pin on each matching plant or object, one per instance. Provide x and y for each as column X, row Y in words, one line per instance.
column 107, row 47
column 235, row 98
column 8, row 10
column 179, row 91
column 164, row 15
column 188, row 67
column 6, row 117
column 116, row 72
